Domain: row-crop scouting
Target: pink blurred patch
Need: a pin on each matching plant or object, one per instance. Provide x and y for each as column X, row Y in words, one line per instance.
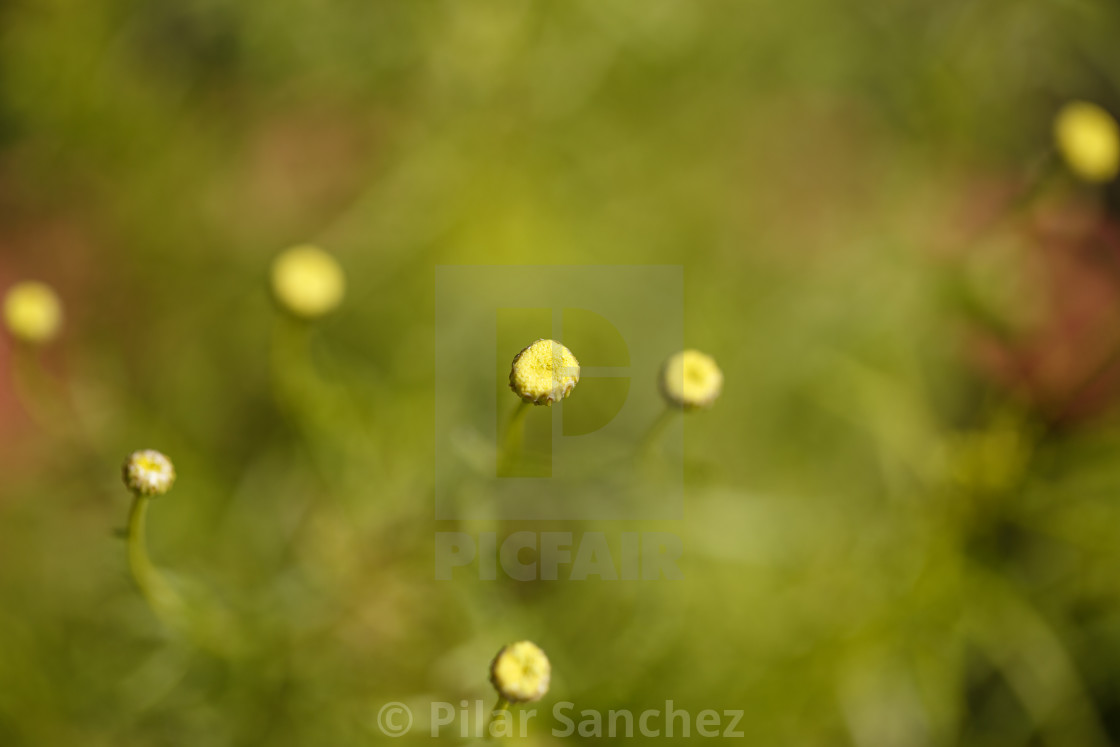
column 55, row 250
column 1065, row 362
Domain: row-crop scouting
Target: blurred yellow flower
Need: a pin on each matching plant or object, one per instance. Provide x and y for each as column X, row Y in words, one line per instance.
column 521, row 672
column 32, row 312
column 543, row 373
column 691, row 379
column 307, row 281
column 148, row 472
column 1089, row 140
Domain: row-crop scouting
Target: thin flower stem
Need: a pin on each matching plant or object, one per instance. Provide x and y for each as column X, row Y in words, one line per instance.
column 499, row 707
column 38, row 394
column 299, row 393
column 160, row 595
column 291, row 367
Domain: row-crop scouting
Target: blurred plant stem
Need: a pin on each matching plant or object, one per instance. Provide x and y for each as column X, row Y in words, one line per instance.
column 160, row 595
column 1029, row 654
column 49, row 404
column 292, row 371
column 514, row 437
column 500, row 707
column 39, row 394
column 185, row 606
column 299, row 392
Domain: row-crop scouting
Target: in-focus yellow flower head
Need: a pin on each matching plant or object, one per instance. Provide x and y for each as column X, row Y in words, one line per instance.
column 32, row 312
column 1088, row 138
column 543, row 373
column 521, row 672
column 691, row 379
column 148, row 472
column 307, row 281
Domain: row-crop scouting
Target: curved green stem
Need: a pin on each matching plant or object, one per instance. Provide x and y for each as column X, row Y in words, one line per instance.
column 160, row 595
column 499, row 707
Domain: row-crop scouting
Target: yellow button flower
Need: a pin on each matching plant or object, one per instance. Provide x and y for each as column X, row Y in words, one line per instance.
column 1088, row 138
column 148, row 472
column 308, row 282
column 543, row 373
column 521, row 672
column 32, row 312
column 691, row 379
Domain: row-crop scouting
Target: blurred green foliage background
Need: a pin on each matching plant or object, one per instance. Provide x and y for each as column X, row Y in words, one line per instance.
column 901, row 524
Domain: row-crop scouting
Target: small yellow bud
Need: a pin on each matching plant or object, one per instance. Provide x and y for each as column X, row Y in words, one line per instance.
column 32, row 312
column 691, row 379
column 148, row 472
column 521, row 672
column 543, row 373
column 1089, row 140
column 307, row 281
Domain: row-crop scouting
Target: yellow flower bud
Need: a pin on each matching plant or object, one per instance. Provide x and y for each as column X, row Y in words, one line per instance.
column 691, row 379
column 1089, row 140
column 32, row 312
column 521, row 672
column 148, row 472
column 307, row 281
column 543, row 373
